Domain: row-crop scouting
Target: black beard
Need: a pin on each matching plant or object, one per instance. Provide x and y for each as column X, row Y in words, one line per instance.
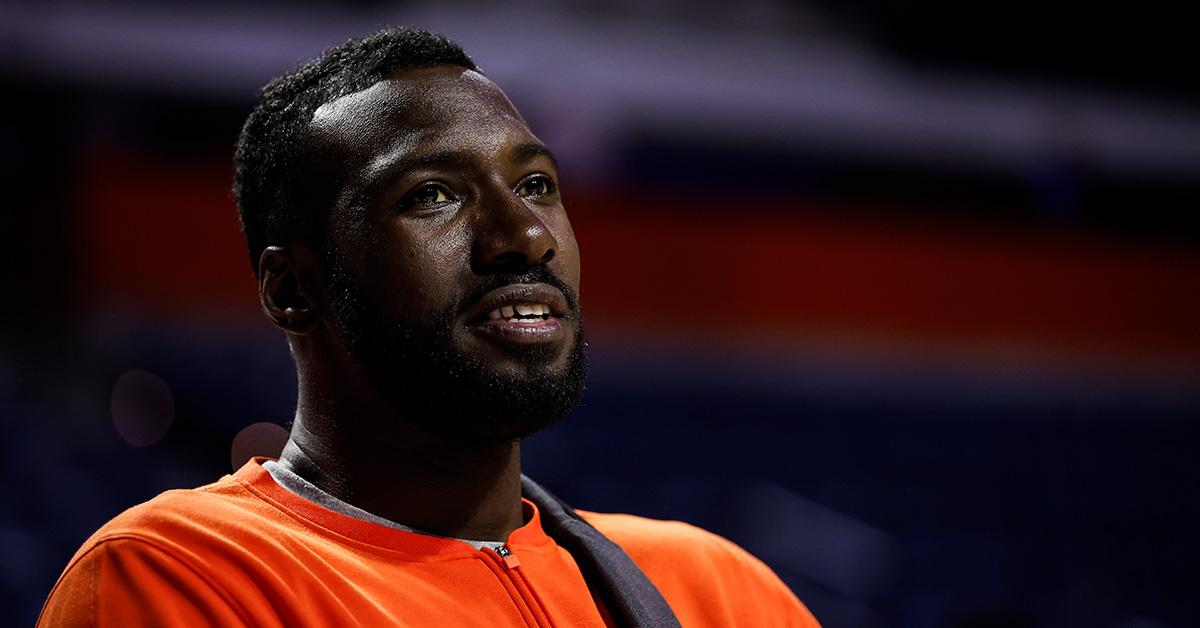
column 439, row 388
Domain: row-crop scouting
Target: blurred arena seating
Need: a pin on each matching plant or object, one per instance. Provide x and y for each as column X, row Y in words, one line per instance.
column 904, row 302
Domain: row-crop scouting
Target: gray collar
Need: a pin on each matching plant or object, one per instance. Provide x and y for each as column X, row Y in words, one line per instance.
column 294, row 483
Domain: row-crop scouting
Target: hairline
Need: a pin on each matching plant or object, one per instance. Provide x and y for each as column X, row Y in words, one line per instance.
column 273, row 199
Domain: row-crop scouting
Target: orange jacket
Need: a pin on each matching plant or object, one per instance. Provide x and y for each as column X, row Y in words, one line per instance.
column 245, row 551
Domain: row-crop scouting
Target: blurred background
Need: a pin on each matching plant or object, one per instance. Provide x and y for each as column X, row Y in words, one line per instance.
column 901, row 298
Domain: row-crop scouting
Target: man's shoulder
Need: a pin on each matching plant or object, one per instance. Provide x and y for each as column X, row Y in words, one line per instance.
column 676, row 543
column 171, row 560
column 179, row 514
column 635, row 533
column 206, row 528
column 702, row 574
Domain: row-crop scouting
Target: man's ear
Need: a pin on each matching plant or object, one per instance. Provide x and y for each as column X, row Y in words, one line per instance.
column 286, row 289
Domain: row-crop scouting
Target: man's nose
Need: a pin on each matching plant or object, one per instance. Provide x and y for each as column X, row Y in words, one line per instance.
column 512, row 237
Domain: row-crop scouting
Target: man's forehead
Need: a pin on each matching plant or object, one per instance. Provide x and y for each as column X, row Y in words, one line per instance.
column 414, row 99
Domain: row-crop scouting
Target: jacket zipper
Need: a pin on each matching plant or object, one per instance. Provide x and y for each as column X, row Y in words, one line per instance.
column 510, row 559
column 506, row 564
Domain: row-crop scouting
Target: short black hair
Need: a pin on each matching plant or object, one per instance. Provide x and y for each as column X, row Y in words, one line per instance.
column 268, row 159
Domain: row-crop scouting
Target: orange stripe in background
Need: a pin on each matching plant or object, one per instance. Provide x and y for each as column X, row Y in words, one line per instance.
column 164, row 238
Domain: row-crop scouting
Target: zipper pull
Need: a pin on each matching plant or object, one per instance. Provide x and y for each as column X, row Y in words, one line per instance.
column 509, row 558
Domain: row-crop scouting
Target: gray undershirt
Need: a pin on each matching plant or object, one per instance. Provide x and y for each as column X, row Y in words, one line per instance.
column 307, row 490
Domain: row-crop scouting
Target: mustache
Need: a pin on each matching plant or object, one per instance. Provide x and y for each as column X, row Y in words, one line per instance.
column 535, row 274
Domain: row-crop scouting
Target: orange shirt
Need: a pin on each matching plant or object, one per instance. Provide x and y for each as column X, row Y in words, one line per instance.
column 245, row 551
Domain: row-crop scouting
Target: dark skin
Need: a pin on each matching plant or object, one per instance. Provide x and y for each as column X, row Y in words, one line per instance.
column 436, row 183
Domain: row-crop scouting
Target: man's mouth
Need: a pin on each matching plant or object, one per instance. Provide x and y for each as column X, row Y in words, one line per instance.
column 520, row 315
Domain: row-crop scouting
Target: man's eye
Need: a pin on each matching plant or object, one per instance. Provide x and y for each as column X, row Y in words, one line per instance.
column 536, row 186
column 426, row 195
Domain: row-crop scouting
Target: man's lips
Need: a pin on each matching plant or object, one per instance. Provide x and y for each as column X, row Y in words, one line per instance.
column 520, row 314
column 547, row 301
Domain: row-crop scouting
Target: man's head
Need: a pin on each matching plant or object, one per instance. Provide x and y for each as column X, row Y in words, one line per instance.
column 405, row 223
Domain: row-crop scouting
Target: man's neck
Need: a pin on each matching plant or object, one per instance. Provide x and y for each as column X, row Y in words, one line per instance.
column 428, row 482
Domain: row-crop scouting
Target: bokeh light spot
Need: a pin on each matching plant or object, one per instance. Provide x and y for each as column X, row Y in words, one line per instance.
column 143, row 407
column 257, row 439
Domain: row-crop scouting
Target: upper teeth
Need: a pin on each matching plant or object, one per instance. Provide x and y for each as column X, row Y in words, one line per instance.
column 521, row 309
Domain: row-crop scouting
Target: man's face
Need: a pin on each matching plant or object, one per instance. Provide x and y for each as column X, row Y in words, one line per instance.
column 452, row 269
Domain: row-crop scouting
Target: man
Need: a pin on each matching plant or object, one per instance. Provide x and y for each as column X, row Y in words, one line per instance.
column 408, row 234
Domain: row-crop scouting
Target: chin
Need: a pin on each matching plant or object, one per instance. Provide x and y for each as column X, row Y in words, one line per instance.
column 527, row 368
column 481, row 395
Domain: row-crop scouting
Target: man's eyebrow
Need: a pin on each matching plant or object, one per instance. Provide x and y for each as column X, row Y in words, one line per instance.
column 389, row 170
column 528, row 150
